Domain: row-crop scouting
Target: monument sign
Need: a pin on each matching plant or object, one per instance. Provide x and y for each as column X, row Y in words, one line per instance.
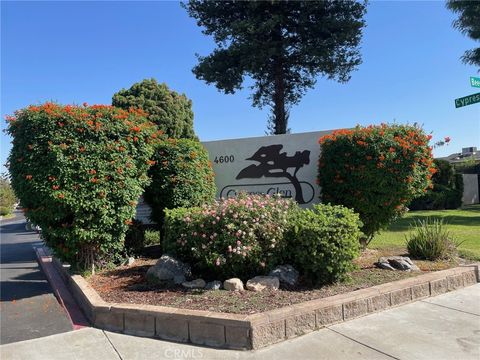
column 278, row 164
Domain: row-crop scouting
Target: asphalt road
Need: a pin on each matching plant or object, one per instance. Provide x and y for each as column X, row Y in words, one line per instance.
column 28, row 309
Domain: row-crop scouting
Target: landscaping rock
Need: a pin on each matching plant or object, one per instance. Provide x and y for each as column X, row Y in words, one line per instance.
column 168, row 269
column 402, row 263
column 214, row 285
column 259, row 283
column 194, row 284
column 286, row 274
column 130, row 261
column 179, row 279
column 233, row 284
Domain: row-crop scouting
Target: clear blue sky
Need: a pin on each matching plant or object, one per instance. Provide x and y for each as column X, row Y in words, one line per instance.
column 75, row 52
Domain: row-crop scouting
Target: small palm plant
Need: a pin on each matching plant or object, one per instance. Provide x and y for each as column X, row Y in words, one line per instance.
column 429, row 239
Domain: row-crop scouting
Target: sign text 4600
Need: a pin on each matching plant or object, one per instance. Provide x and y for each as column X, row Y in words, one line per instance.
column 224, row 159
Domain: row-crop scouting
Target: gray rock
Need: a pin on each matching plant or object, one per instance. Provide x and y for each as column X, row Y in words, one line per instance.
column 168, row 269
column 286, row 274
column 385, row 265
column 194, row 284
column 130, row 261
column 402, row 263
column 233, row 284
column 214, row 285
column 259, row 283
column 178, row 279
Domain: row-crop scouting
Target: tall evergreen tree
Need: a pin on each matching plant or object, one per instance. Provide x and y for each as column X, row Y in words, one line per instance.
column 468, row 23
column 283, row 46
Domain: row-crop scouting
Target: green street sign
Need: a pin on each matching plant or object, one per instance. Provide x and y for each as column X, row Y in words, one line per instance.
column 467, row 100
column 474, row 81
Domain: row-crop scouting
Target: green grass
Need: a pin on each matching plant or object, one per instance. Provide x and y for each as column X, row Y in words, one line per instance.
column 463, row 224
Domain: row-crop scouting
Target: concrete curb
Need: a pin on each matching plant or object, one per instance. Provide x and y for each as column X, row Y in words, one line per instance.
column 64, row 297
column 247, row 332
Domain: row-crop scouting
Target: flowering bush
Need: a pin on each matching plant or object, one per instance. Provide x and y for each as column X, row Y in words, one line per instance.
column 181, row 177
column 376, row 171
column 323, row 241
column 78, row 172
column 240, row 237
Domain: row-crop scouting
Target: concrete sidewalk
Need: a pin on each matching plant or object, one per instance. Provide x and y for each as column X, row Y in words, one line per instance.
column 442, row 327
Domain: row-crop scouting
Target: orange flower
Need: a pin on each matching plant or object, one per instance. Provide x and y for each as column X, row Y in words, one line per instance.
column 135, row 129
column 392, row 150
column 94, row 180
column 60, row 196
column 82, row 149
column 151, row 162
column 28, row 177
column 381, row 158
column 368, row 157
column 55, row 187
column 128, row 222
column 92, row 171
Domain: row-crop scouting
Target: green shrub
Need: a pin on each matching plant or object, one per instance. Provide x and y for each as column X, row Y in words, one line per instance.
column 152, row 237
column 239, row 237
column 429, row 239
column 135, row 238
column 78, row 172
column 323, row 241
column 376, row 171
column 447, row 191
column 5, row 210
column 181, row 177
column 170, row 111
column 7, row 197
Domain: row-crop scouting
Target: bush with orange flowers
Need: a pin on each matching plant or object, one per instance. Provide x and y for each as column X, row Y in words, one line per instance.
column 182, row 176
column 376, row 171
column 78, row 172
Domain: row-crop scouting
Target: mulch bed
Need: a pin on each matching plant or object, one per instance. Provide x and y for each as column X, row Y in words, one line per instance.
column 127, row 284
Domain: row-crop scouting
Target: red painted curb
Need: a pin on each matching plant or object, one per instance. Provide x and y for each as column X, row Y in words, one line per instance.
column 60, row 291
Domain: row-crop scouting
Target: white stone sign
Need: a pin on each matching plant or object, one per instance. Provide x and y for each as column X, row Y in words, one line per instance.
column 279, row 164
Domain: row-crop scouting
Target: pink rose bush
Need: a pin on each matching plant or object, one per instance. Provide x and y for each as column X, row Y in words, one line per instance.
column 240, row 237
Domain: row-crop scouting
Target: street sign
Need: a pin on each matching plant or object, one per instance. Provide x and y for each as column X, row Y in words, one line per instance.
column 474, row 81
column 467, row 100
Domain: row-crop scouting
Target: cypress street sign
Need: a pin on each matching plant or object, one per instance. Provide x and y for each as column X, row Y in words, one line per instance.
column 474, row 81
column 279, row 164
column 467, row 100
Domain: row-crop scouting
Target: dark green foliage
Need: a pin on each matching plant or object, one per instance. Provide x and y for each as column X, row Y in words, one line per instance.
column 282, row 45
column 323, row 242
column 152, row 237
column 468, row 23
column 170, row 111
column 447, row 190
column 135, row 238
column 78, row 172
column 181, row 177
column 429, row 239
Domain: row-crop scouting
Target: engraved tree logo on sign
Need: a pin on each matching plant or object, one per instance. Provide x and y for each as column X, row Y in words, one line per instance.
column 273, row 164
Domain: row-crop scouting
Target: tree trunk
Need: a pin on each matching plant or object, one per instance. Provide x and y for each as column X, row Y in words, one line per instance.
column 279, row 99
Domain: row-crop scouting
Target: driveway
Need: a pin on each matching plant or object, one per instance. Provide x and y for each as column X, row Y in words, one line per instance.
column 27, row 306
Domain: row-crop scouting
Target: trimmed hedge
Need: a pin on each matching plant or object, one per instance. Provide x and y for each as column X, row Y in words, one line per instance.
column 376, row 171
column 181, row 177
column 323, row 242
column 78, row 172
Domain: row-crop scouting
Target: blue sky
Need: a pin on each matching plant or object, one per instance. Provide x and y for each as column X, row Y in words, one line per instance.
column 75, row 52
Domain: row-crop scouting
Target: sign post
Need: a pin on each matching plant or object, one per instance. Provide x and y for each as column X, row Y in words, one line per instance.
column 467, row 100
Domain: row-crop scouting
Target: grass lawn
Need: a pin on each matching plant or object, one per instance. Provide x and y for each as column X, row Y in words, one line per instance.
column 464, row 225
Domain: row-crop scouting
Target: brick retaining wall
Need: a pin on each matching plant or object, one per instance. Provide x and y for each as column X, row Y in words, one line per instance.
column 255, row 331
